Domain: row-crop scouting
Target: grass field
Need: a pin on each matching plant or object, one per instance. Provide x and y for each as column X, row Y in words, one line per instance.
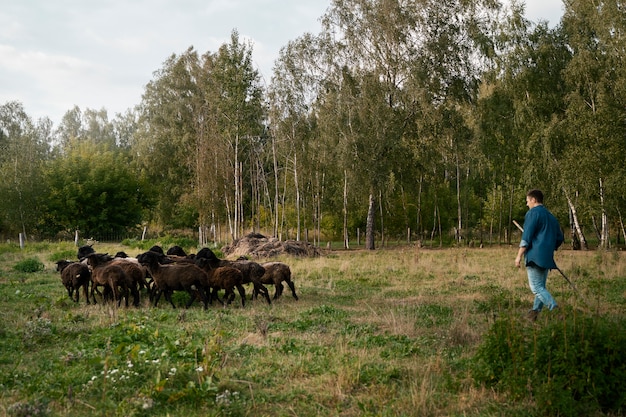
column 375, row 333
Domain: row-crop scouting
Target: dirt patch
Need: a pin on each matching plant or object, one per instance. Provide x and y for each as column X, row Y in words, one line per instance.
column 256, row 245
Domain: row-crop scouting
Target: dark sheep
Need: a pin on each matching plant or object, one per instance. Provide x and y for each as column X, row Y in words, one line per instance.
column 276, row 273
column 133, row 270
column 110, row 276
column 157, row 249
column 251, row 271
column 85, row 250
column 175, row 277
column 223, row 278
column 75, row 275
column 177, row 251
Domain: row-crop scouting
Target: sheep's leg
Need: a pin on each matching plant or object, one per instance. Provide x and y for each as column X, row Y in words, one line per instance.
column 204, row 297
column 293, row 289
column 261, row 289
column 135, row 292
column 216, row 296
column 192, row 297
column 126, row 295
column 86, row 291
column 93, row 294
column 278, row 290
column 168, row 297
column 242, row 293
column 229, row 295
column 157, row 295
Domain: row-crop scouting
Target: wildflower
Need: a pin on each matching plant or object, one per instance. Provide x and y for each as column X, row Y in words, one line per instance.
column 199, row 369
column 173, row 371
column 142, row 352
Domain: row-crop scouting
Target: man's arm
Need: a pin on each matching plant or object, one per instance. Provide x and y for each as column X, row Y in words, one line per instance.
column 520, row 254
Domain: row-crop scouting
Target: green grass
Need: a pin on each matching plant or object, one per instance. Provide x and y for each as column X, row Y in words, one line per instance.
column 383, row 333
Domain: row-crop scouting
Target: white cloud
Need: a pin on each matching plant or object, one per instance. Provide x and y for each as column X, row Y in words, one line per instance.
column 58, row 54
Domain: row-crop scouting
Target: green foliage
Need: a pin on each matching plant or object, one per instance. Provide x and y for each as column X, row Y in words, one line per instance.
column 572, row 367
column 95, row 190
column 29, row 265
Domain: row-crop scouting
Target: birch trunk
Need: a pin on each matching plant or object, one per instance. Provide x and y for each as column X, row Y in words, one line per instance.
column 295, row 179
column 382, row 220
column 369, row 232
column 275, row 186
column 604, row 229
column 459, row 210
column 346, row 243
column 576, row 229
column 621, row 223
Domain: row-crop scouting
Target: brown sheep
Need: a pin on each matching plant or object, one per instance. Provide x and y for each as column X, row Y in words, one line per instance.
column 133, row 270
column 276, row 273
column 252, row 271
column 111, row 277
column 175, row 277
column 223, row 278
column 75, row 275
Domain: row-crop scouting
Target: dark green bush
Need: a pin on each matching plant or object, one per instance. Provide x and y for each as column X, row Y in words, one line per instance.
column 572, row 367
column 29, row 265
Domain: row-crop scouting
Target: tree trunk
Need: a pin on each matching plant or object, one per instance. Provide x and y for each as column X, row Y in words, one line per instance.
column 621, row 223
column 604, row 229
column 275, row 187
column 369, row 231
column 382, row 219
column 459, row 211
column 577, row 230
column 346, row 243
column 418, row 223
column 508, row 228
column 295, row 179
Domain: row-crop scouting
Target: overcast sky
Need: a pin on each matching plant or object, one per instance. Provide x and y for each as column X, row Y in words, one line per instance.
column 57, row 54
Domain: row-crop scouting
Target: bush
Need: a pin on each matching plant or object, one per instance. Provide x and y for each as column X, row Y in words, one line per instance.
column 572, row 367
column 29, row 265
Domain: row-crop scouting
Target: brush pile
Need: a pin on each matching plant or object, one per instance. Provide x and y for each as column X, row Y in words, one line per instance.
column 256, row 245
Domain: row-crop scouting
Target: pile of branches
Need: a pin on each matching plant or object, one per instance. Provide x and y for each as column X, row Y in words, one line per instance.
column 257, row 245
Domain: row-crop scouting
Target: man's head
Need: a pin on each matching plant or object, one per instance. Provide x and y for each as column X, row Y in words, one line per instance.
column 534, row 198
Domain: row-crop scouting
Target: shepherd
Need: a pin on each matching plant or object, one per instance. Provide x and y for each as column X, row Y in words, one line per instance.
column 541, row 237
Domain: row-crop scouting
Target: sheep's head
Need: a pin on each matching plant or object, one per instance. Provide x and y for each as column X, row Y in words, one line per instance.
column 150, row 258
column 62, row 264
column 176, row 250
column 206, row 253
column 83, row 251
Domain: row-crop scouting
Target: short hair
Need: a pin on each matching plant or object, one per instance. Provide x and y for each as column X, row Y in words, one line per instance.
column 536, row 194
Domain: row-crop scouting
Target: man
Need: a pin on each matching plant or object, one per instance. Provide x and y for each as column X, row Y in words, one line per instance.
column 541, row 237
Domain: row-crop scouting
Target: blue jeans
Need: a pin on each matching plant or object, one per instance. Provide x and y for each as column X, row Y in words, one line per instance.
column 537, row 277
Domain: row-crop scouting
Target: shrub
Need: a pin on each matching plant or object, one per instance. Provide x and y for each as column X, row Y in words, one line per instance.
column 571, row 367
column 29, row 265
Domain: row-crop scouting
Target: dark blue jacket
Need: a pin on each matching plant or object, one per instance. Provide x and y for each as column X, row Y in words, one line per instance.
column 542, row 236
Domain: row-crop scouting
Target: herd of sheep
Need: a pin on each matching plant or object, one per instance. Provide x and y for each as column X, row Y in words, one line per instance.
column 202, row 276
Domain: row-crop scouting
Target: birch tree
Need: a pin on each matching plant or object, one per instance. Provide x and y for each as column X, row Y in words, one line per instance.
column 24, row 147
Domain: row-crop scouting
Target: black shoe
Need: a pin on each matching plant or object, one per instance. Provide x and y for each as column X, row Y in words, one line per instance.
column 532, row 315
